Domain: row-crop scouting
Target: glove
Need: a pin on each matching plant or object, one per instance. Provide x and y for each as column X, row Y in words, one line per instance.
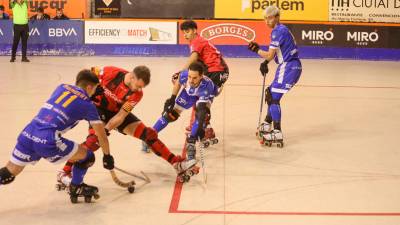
column 253, row 46
column 175, row 77
column 108, row 162
column 169, row 103
column 264, row 67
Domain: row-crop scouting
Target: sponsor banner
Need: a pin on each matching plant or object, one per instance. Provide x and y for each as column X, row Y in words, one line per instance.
column 107, row 7
column 232, row 32
column 46, row 32
column 344, row 35
column 167, row 9
column 72, row 8
column 130, row 32
column 312, row 10
column 365, row 10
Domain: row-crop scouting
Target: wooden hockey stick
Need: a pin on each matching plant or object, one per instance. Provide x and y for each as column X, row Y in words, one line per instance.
column 145, row 178
column 121, row 183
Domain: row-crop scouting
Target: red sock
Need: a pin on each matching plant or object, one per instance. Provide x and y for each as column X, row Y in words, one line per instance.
column 68, row 167
column 149, row 135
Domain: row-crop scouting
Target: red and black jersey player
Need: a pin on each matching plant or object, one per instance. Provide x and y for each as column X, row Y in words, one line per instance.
column 118, row 94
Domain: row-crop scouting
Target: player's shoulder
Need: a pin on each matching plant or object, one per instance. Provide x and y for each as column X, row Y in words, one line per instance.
column 111, row 70
column 207, row 83
column 280, row 29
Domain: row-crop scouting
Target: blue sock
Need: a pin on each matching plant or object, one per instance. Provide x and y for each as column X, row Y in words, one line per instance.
column 275, row 109
column 160, row 124
column 79, row 173
column 193, row 132
column 276, row 112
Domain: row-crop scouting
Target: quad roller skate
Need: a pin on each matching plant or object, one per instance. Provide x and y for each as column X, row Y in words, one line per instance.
column 209, row 137
column 186, row 169
column 264, row 128
column 275, row 136
column 63, row 180
column 83, row 190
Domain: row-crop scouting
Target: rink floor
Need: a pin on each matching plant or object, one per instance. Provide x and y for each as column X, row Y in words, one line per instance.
column 340, row 164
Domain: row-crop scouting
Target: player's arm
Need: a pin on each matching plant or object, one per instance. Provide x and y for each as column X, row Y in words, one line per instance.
column 102, row 136
column 268, row 55
column 192, row 58
column 117, row 119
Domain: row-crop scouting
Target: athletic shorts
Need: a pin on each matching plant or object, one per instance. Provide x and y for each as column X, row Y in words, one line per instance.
column 34, row 144
column 218, row 78
column 106, row 116
column 286, row 76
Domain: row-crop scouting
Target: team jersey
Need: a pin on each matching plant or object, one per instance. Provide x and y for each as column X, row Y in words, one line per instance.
column 283, row 41
column 66, row 107
column 116, row 94
column 206, row 90
column 208, row 54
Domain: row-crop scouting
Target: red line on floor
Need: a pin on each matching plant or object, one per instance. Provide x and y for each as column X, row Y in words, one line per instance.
column 176, row 196
column 288, row 213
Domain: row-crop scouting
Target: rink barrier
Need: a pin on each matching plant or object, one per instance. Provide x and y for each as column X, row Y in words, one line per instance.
column 316, row 41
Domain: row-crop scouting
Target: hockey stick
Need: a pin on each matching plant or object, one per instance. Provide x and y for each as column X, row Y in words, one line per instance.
column 144, row 177
column 203, row 168
column 262, row 100
column 121, row 183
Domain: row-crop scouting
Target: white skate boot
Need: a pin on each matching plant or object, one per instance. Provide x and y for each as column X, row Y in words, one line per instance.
column 63, row 180
column 264, row 128
column 275, row 136
column 186, row 169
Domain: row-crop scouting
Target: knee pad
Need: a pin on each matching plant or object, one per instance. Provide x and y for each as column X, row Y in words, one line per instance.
column 203, row 113
column 88, row 162
column 268, row 96
column 171, row 115
column 5, row 176
column 149, row 135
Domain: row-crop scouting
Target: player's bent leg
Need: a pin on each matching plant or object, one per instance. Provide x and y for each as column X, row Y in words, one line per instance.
column 150, row 137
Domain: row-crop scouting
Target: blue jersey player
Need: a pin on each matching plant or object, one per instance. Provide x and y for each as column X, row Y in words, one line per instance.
column 195, row 90
column 284, row 50
column 42, row 137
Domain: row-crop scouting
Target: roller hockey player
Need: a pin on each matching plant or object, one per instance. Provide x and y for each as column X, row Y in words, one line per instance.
column 42, row 137
column 216, row 69
column 284, row 50
column 199, row 91
column 119, row 92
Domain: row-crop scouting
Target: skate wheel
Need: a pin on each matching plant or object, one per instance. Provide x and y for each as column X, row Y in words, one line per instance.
column 181, row 179
column 58, row 187
column 74, row 200
column 186, row 178
column 96, row 196
column 131, row 189
column 88, row 199
column 269, row 144
column 280, row 145
column 190, row 173
column 215, row 141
